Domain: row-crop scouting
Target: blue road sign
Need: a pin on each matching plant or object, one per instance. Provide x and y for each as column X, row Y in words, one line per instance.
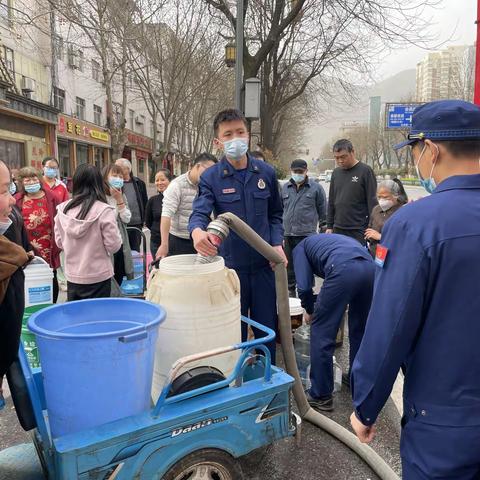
column 399, row 115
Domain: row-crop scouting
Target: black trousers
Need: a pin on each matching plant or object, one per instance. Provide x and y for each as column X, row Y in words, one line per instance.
column 180, row 246
column 358, row 234
column 135, row 237
column 79, row 291
column 118, row 266
column 154, row 244
column 290, row 243
column 55, row 287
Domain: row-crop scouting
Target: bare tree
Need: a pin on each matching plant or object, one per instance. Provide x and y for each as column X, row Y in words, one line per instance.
column 109, row 27
column 319, row 42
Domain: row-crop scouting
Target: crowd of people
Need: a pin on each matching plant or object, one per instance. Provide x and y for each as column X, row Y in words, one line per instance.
column 411, row 270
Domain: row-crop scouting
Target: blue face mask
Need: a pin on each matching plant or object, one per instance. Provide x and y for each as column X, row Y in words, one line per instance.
column 298, row 177
column 236, row 148
column 32, row 188
column 116, row 182
column 12, row 188
column 50, row 172
column 429, row 183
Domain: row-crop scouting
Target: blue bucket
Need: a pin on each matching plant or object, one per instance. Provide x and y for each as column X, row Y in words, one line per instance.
column 97, row 360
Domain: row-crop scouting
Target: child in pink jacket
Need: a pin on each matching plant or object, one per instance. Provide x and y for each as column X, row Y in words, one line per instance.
column 86, row 230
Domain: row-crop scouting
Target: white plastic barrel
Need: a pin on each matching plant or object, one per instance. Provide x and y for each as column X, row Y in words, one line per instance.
column 38, row 283
column 202, row 302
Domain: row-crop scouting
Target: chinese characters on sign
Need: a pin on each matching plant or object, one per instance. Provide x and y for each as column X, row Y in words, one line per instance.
column 79, row 129
column 135, row 140
column 399, row 115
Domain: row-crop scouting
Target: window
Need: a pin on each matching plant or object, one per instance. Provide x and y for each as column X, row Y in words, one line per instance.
column 141, row 125
column 97, row 114
column 5, row 11
column 59, row 99
column 80, row 110
column 80, row 60
column 9, row 59
column 152, row 129
column 95, row 70
column 131, row 119
column 59, row 47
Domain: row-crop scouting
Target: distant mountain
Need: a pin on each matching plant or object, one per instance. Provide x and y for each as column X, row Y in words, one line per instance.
column 400, row 87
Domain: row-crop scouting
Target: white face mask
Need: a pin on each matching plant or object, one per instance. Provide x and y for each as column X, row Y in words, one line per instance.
column 385, row 204
column 4, row 226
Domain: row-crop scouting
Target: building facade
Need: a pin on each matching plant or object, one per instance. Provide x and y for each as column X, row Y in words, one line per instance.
column 446, row 74
column 53, row 97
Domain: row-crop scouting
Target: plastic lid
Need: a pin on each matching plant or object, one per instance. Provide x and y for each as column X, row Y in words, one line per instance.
column 189, row 265
column 295, row 306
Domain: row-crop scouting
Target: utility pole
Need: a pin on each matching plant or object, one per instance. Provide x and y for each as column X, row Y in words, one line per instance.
column 239, row 35
column 477, row 61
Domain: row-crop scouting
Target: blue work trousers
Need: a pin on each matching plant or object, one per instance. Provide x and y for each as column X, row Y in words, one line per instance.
column 350, row 283
column 259, row 302
column 439, row 452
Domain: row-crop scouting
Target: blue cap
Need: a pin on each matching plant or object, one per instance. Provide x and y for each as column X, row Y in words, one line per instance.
column 444, row 120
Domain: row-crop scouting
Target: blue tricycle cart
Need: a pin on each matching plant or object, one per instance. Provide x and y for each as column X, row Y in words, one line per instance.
column 196, row 430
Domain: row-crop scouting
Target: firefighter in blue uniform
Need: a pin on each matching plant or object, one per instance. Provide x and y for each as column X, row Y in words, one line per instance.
column 426, row 305
column 348, row 270
column 248, row 188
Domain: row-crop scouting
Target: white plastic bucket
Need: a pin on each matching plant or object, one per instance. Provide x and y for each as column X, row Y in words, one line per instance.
column 38, row 283
column 296, row 312
column 202, row 302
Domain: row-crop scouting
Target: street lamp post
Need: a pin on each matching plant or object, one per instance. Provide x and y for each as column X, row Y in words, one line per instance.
column 239, row 55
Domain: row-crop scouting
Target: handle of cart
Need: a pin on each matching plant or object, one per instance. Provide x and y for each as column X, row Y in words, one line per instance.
column 248, row 347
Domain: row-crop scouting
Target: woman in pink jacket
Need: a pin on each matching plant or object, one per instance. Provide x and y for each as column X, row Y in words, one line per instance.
column 86, row 230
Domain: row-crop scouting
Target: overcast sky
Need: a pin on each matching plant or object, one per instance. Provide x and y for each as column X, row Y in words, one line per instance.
column 455, row 18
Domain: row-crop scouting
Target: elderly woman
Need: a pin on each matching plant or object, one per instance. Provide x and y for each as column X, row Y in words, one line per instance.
column 38, row 206
column 391, row 196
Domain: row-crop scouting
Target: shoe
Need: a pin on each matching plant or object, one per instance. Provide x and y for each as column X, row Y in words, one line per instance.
column 320, row 404
column 346, row 379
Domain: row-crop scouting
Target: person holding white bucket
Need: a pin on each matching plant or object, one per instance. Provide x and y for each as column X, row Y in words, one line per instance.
column 12, row 260
column 38, row 206
column 86, row 229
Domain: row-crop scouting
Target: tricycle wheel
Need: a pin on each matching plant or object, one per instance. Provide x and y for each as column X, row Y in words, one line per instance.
column 207, row 464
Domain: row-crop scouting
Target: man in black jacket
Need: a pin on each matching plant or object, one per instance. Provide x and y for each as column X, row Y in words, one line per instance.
column 136, row 192
column 353, row 194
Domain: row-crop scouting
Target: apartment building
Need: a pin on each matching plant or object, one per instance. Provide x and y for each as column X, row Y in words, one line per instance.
column 446, row 74
column 27, row 120
column 53, row 99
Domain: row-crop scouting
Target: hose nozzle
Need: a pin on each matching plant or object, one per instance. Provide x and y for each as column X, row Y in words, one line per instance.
column 218, row 231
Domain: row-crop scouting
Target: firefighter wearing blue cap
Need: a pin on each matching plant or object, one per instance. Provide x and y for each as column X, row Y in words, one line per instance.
column 424, row 316
column 248, row 188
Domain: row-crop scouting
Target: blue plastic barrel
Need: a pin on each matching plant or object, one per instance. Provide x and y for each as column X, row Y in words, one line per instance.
column 97, row 360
